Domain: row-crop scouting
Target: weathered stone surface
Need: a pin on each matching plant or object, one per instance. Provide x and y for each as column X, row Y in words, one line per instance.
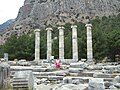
column 89, row 44
column 102, row 75
column 42, row 87
column 61, row 43
column 74, row 43
column 112, row 87
column 49, row 43
column 76, row 81
column 75, row 70
column 67, row 80
column 55, row 77
column 94, row 67
column 72, row 79
column 86, row 74
column 73, row 74
column 78, row 65
column 23, row 79
column 117, row 85
column 117, row 79
column 96, row 84
column 71, row 87
column 37, row 44
column 107, row 84
column 4, row 75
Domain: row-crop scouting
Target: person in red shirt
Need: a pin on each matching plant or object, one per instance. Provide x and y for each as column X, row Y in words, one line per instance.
column 57, row 63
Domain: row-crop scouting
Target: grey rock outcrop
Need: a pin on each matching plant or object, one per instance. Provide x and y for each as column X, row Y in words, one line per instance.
column 39, row 13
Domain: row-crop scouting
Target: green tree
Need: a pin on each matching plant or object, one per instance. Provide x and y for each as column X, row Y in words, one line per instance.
column 113, row 39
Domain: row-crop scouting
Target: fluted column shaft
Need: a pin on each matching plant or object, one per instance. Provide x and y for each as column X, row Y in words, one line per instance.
column 89, row 43
column 61, row 43
column 49, row 43
column 74, row 42
column 37, row 44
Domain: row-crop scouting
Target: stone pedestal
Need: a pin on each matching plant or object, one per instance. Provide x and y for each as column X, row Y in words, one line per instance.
column 89, row 43
column 49, row 43
column 61, row 43
column 74, row 42
column 37, row 44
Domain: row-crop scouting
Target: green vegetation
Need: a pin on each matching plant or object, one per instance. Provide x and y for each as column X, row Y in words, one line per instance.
column 106, row 41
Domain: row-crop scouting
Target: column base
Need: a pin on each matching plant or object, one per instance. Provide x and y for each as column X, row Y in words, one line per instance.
column 90, row 62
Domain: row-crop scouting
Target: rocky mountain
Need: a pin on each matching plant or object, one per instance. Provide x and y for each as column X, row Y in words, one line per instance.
column 6, row 23
column 42, row 13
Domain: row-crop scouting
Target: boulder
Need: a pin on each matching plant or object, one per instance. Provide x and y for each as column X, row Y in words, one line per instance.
column 116, row 79
column 96, row 84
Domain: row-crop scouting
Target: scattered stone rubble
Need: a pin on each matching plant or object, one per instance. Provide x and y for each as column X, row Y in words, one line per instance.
column 74, row 76
column 79, row 76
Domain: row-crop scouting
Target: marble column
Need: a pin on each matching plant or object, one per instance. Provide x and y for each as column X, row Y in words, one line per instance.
column 61, row 43
column 49, row 43
column 37, row 44
column 89, row 43
column 74, row 42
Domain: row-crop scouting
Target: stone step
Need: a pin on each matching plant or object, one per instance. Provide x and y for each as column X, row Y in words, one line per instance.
column 20, row 83
column 20, row 86
column 55, row 77
column 17, row 80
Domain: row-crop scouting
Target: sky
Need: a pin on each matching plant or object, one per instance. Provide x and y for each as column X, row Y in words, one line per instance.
column 9, row 9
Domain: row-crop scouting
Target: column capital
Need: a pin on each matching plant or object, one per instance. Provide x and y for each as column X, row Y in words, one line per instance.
column 88, row 25
column 49, row 29
column 73, row 26
column 37, row 30
column 61, row 27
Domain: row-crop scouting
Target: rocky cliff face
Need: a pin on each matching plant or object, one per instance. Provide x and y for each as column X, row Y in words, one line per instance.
column 39, row 13
column 44, row 12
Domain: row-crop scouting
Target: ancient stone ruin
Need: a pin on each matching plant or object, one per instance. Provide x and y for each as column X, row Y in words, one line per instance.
column 73, row 74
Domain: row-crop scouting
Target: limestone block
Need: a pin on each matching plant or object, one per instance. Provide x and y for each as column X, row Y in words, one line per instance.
column 39, row 69
column 94, row 67
column 55, row 77
column 96, row 84
column 112, row 87
column 116, row 79
column 96, row 75
column 86, row 74
column 77, row 65
column 74, row 74
column 23, row 79
column 67, row 80
column 71, row 87
column 76, row 81
column 75, row 70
